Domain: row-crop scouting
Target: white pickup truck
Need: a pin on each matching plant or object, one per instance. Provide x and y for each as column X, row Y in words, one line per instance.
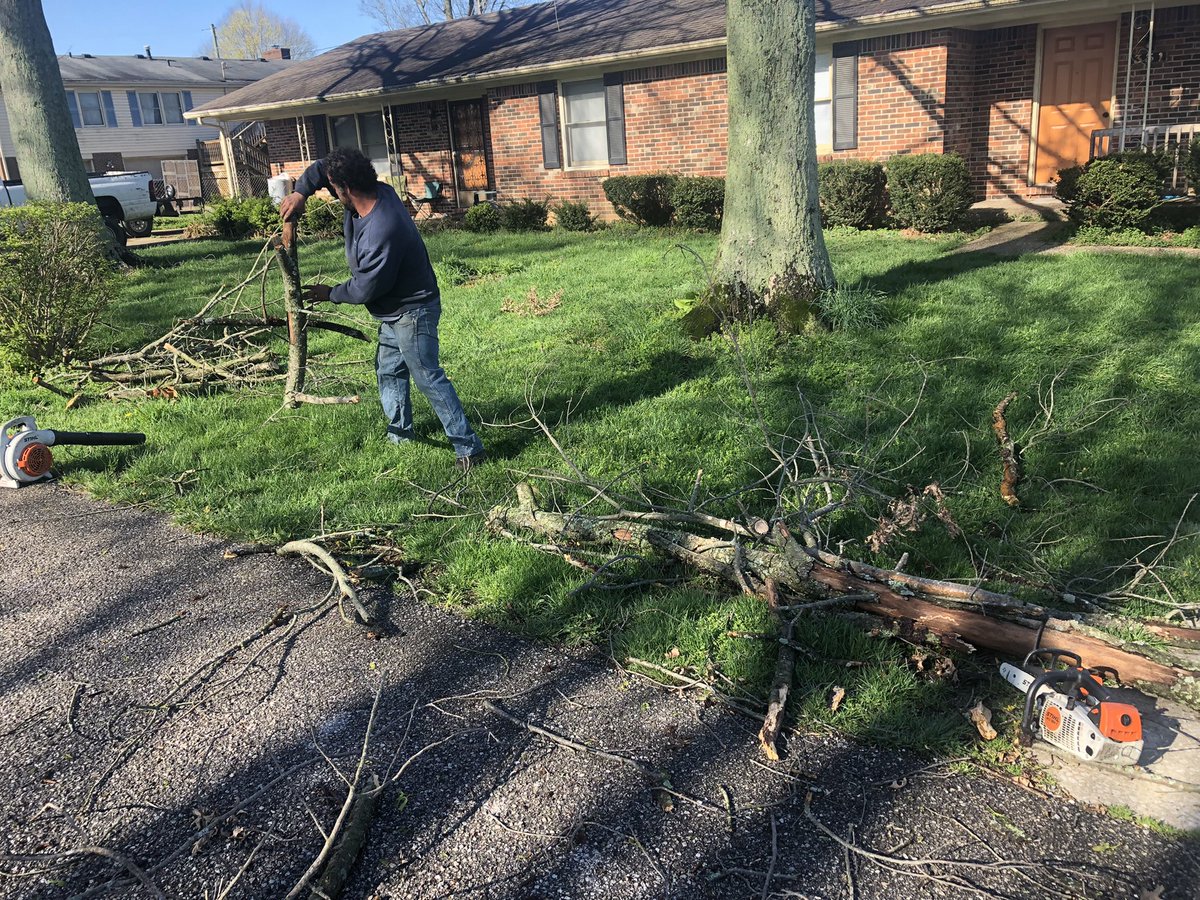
column 125, row 200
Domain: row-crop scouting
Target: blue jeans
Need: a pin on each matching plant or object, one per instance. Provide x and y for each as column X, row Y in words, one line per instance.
column 408, row 351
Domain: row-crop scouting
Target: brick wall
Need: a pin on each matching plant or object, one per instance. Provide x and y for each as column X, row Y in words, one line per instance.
column 961, row 113
column 423, row 142
column 283, row 147
column 1005, row 66
column 901, row 96
column 1174, row 69
column 674, row 121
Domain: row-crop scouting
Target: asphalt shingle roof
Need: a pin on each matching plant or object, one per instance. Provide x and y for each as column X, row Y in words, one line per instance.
column 524, row 39
column 166, row 70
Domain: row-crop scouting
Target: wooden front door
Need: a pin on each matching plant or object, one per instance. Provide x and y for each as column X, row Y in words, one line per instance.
column 470, row 146
column 1077, row 87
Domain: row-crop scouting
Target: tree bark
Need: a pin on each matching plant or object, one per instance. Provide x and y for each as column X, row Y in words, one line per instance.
column 46, row 147
column 772, row 248
column 285, row 253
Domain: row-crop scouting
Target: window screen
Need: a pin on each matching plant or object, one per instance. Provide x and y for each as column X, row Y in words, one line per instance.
column 823, row 99
column 151, row 111
column 374, row 142
column 172, row 109
column 586, row 123
column 343, row 131
column 89, row 108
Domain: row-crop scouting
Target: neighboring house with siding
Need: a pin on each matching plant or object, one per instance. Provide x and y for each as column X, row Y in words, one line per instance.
column 128, row 111
column 551, row 99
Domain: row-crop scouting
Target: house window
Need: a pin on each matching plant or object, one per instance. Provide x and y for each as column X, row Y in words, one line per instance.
column 90, row 110
column 172, row 109
column 151, row 109
column 823, row 100
column 584, row 123
column 343, row 132
column 363, row 132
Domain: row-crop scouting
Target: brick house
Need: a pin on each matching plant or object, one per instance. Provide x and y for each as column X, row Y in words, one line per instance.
column 547, row 101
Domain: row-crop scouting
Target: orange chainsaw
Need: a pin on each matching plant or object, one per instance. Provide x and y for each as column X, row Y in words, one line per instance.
column 1068, row 706
column 25, row 456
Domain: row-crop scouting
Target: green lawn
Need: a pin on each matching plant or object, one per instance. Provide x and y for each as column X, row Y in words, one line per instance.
column 626, row 391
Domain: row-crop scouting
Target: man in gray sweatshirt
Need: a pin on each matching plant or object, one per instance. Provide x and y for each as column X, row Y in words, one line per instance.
column 391, row 275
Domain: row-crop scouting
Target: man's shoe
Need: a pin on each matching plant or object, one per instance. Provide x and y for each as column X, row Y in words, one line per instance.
column 400, row 439
column 467, row 463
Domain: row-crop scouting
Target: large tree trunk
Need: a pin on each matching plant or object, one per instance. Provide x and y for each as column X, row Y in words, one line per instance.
column 47, row 150
column 772, row 250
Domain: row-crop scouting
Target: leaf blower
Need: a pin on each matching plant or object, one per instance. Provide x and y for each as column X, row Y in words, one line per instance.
column 25, row 456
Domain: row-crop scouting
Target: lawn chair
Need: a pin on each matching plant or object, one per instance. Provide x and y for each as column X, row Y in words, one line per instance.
column 422, row 204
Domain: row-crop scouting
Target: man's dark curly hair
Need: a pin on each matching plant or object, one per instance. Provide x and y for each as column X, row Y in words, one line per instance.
column 347, row 167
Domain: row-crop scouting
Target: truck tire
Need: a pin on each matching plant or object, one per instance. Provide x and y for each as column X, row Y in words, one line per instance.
column 117, row 230
column 139, row 227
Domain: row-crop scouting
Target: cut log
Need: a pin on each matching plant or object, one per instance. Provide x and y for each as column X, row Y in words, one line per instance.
column 997, row 625
column 297, row 317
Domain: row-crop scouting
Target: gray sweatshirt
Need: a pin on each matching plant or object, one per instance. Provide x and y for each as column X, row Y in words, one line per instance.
column 390, row 270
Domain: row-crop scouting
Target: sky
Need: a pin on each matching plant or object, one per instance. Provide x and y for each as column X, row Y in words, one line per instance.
column 179, row 28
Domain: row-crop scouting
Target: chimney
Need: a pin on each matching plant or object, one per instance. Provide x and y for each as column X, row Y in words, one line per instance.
column 278, row 52
column 147, row 49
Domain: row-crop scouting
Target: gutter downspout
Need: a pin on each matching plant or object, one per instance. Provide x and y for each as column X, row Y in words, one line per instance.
column 1128, row 76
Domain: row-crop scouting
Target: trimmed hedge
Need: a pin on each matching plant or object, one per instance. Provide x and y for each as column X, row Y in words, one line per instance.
column 1117, row 192
column 929, row 191
column 641, row 199
column 698, row 203
column 525, row 215
column 484, row 217
column 1067, row 185
column 322, row 218
column 574, row 216
column 853, row 193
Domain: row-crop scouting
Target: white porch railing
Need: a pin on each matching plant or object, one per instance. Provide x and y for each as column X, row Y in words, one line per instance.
column 1170, row 139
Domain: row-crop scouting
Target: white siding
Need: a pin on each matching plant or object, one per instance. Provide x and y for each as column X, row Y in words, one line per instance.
column 142, row 145
column 146, row 141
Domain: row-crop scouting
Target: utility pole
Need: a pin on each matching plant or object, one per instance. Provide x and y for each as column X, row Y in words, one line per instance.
column 216, row 46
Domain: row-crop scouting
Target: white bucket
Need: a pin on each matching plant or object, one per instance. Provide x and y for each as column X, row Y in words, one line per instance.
column 278, row 187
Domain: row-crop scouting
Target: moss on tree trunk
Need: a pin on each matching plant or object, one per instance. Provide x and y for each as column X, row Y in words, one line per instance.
column 772, row 254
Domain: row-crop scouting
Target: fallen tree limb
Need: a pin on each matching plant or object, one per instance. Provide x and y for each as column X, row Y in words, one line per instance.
column 1009, row 456
column 119, row 858
column 297, row 317
column 1001, row 624
column 276, row 322
column 354, row 794
column 332, row 567
column 781, row 684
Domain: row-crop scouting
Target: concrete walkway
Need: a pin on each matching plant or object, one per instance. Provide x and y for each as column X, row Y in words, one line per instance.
column 1040, row 226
